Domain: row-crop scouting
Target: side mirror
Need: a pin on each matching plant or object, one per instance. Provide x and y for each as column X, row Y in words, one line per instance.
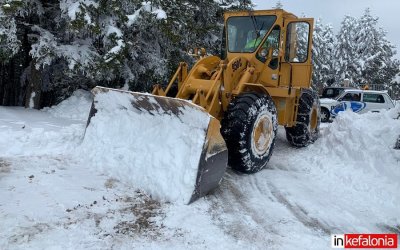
column 275, row 52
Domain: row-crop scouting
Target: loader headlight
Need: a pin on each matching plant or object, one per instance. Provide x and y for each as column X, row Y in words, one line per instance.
column 200, row 52
column 263, row 53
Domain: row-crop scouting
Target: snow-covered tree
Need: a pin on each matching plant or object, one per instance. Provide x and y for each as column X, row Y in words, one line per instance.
column 346, row 63
column 82, row 43
column 9, row 43
column 394, row 88
column 235, row 4
column 278, row 5
column 363, row 53
column 374, row 52
column 323, row 55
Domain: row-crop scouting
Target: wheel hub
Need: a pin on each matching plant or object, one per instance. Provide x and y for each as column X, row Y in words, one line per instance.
column 262, row 135
column 314, row 119
column 324, row 115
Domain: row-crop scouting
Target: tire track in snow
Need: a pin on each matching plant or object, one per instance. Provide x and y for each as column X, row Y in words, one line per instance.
column 232, row 208
column 253, row 208
column 300, row 213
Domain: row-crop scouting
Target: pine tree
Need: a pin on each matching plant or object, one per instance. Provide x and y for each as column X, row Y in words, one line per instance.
column 346, row 60
column 235, row 4
column 323, row 55
column 9, row 43
column 278, row 5
column 81, row 43
column 363, row 53
column 374, row 52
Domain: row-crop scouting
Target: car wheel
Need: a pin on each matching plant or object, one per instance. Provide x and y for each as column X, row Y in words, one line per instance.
column 325, row 114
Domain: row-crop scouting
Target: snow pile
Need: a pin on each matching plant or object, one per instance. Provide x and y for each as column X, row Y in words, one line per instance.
column 356, row 162
column 26, row 132
column 76, row 107
column 155, row 153
column 365, row 141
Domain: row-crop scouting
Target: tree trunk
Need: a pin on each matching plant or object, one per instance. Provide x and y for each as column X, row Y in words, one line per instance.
column 34, row 88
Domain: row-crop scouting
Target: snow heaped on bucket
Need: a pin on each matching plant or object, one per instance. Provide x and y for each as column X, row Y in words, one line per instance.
column 155, row 152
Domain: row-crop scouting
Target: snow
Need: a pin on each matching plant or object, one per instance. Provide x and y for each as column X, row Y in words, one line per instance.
column 74, row 108
column 60, row 191
column 73, row 7
column 146, row 6
column 114, row 50
column 160, row 14
column 78, row 53
column 114, row 30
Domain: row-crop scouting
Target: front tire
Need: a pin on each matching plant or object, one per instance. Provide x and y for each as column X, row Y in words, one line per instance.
column 325, row 115
column 249, row 129
column 306, row 130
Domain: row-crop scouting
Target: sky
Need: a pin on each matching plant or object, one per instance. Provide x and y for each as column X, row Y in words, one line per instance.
column 333, row 12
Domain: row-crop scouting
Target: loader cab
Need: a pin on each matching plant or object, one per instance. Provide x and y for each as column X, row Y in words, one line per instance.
column 275, row 37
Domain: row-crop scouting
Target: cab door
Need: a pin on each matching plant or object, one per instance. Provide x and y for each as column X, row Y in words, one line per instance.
column 296, row 63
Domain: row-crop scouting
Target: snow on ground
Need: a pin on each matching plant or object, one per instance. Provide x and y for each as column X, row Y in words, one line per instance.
column 53, row 198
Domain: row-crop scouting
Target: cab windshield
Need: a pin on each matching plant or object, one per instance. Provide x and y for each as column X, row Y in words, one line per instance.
column 245, row 33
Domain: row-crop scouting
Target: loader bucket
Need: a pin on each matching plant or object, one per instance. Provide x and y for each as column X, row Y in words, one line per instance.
column 203, row 167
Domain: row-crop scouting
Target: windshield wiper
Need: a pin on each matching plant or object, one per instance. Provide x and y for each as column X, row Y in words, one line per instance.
column 254, row 21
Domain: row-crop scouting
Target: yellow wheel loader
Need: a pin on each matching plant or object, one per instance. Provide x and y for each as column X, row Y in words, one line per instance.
column 261, row 80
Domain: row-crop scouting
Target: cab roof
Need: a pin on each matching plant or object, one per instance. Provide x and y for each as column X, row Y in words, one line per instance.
column 259, row 13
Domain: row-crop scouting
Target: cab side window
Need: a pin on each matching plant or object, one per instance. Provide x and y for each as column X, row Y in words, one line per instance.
column 297, row 40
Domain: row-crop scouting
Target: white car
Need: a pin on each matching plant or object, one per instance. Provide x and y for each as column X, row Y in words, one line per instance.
column 360, row 101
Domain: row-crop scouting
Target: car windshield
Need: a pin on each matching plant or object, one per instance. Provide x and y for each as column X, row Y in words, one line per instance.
column 245, row 33
column 340, row 93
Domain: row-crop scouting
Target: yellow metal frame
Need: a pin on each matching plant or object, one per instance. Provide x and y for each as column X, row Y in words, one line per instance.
column 212, row 83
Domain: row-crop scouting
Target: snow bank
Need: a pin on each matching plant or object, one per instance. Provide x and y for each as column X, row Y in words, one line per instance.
column 356, row 162
column 76, row 107
column 155, row 153
column 27, row 132
column 366, row 140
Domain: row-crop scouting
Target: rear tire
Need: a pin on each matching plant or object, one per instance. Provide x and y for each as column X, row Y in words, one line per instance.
column 306, row 130
column 249, row 128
